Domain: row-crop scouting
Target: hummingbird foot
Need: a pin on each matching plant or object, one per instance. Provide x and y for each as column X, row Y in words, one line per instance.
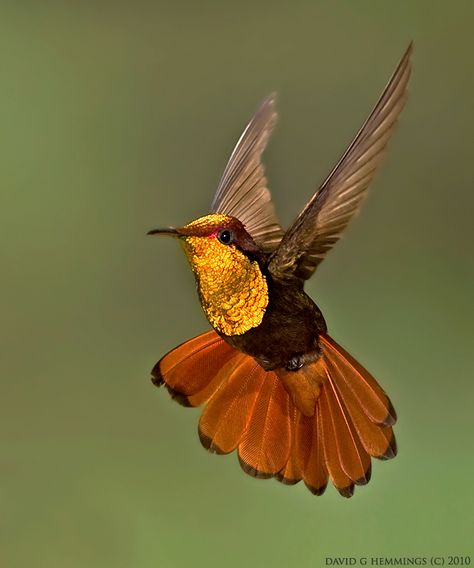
column 298, row 361
column 294, row 364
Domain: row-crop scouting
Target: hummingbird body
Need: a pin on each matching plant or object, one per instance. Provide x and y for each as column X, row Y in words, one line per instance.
column 276, row 387
column 288, row 336
column 274, row 321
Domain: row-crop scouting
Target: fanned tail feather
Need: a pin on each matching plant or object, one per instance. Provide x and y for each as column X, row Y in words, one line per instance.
column 225, row 418
column 325, row 421
column 194, row 370
column 265, row 447
column 292, row 472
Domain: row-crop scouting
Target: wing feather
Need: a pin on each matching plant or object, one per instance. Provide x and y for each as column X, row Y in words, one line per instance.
column 242, row 191
column 322, row 221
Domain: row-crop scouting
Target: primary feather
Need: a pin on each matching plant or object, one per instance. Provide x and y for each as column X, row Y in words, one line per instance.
column 242, row 191
column 327, row 214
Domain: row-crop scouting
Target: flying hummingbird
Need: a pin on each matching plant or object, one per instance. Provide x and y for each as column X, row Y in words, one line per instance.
column 276, row 387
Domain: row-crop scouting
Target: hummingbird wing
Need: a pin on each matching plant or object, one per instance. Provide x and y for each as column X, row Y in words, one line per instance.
column 321, row 223
column 242, row 191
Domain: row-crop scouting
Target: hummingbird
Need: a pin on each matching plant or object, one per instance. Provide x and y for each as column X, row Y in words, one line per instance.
column 275, row 386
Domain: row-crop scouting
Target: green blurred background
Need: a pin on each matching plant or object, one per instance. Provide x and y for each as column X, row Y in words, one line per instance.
column 119, row 117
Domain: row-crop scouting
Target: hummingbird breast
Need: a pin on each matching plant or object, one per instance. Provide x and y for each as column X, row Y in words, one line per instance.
column 289, row 330
column 232, row 287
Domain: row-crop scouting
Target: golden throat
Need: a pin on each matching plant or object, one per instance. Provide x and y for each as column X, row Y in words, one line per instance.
column 232, row 288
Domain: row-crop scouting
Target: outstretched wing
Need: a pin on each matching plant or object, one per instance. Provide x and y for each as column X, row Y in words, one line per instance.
column 243, row 191
column 327, row 214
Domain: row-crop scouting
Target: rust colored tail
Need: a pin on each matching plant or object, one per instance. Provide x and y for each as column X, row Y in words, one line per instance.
column 325, row 421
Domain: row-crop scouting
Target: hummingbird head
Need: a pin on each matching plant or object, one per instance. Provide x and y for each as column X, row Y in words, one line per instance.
column 225, row 261
column 215, row 228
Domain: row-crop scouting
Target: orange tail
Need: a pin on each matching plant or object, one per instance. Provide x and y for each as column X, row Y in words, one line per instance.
column 325, row 420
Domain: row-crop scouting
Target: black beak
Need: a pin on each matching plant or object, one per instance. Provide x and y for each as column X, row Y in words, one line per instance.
column 166, row 231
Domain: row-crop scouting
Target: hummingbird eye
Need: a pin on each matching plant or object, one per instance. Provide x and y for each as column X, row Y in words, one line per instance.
column 225, row 237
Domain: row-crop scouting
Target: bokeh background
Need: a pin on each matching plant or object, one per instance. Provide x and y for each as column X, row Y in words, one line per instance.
column 119, row 117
